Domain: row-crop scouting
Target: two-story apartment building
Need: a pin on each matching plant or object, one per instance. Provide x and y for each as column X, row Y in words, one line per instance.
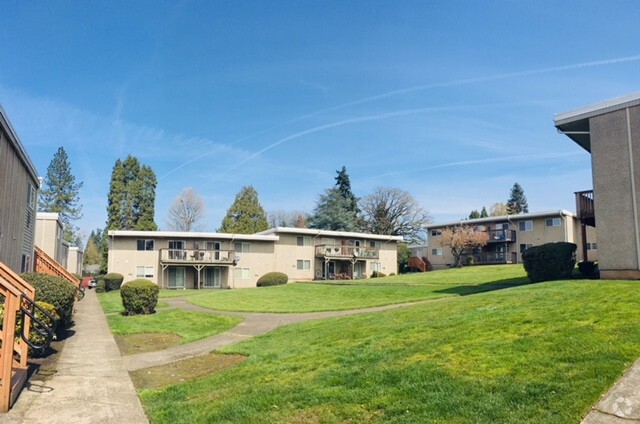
column 509, row 237
column 218, row 260
column 49, row 231
column 19, row 185
column 610, row 132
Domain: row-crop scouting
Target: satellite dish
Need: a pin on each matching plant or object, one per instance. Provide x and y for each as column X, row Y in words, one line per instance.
column 236, row 259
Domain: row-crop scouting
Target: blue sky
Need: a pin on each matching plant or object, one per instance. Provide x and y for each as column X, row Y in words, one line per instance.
column 452, row 101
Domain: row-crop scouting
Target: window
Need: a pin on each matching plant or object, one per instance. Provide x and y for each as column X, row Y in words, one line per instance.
column 592, row 246
column 242, row 273
column 304, row 265
column 552, row 222
column 242, row 247
column 376, row 266
column 144, row 271
column 436, row 252
column 31, row 196
column 436, row 233
column 145, row 244
column 526, row 225
column 374, row 244
column 212, row 245
column 304, row 241
column 524, row 247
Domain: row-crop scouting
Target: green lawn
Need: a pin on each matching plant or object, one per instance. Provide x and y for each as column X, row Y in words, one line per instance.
column 190, row 326
column 540, row 353
column 312, row 297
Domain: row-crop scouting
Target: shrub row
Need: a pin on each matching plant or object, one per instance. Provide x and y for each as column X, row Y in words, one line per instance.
column 272, row 279
column 139, row 297
column 551, row 261
column 54, row 290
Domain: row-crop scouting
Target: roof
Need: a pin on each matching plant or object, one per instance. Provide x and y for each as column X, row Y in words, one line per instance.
column 575, row 123
column 192, row 235
column 503, row 218
column 15, row 141
column 317, row 233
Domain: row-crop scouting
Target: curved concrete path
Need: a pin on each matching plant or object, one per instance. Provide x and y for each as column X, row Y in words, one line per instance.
column 254, row 324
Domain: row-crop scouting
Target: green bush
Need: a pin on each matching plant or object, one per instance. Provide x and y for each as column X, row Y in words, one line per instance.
column 378, row 274
column 139, row 297
column 100, row 285
column 112, row 281
column 56, row 291
column 272, row 279
column 588, row 269
column 551, row 261
column 35, row 336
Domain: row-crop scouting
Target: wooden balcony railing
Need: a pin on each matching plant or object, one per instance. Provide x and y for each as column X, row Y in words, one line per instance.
column 418, row 263
column 501, row 236
column 45, row 264
column 340, row 251
column 197, row 256
column 585, row 207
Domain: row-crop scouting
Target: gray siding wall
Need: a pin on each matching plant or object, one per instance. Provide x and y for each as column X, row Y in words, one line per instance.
column 615, row 153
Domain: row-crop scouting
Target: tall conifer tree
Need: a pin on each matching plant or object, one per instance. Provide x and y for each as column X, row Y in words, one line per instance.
column 246, row 215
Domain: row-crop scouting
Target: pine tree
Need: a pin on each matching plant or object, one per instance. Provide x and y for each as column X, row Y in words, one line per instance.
column 60, row 194
column 131, row 196
column 484, row 213
column 337, row 209
column 343, row 184
column 474, row 214
column 92, row 255
column 517, row 202
column 246, row 215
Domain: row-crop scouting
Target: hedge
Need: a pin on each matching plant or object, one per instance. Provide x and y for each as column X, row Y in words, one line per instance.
column 272, row 279
column 139, row 297
column 112, row 281
column 550, row 261
column 56, row 291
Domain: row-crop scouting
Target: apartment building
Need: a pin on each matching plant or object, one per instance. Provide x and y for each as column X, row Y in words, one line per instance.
column 219, row 260
column 509, row 237
column 49, row 231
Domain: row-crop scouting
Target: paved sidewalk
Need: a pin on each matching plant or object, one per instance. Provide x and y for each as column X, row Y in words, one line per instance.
column 90, row 385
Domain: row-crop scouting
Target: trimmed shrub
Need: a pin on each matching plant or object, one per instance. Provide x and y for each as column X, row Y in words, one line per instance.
column 139, row 297
column 100, row 285
column 588, row 269
column 36, row 337
column 550, row 261
column 112, row 281
column 272, row 279
column 378, row 274
column 56, row 291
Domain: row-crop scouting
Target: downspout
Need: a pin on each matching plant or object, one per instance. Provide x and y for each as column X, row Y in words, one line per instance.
column 633, row 189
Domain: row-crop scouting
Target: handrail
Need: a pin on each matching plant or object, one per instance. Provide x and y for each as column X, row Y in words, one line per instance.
column 47, row 265
column 41, row 327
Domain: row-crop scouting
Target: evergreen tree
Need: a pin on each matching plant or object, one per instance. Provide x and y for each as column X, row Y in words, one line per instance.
column 246, row 215
column 131, row 196
column 517, row 202
column 484, row 213
column 60, row 194
column 474, row 214
column 92, row 254
column 338, row 209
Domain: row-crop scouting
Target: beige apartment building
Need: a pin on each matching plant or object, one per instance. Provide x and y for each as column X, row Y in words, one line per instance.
column 610, row 132
column 509, row 237
column 49, row 231
column 18, row 197
column 217, row 260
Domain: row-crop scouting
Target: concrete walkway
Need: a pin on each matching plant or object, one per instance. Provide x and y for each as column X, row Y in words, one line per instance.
column 90, row 385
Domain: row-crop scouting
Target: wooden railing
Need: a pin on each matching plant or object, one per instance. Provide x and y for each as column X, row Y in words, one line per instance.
column 45, row 264
column 197, row 256
column 342, row 251
column 421, row 264
column 585, row 207
column 13, row 351
column 497, row 236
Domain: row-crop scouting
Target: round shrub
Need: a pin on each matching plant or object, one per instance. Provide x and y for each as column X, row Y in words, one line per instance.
column 39, row 337
column 139, row 297
column 378, row 274
column 56, row 291
column 272, row 279
column 112, row 281
column 100, row 285
column 588, row 269
column 550, row 261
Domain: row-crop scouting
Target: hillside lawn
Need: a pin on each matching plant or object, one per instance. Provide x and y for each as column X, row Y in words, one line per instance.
column 530, row 353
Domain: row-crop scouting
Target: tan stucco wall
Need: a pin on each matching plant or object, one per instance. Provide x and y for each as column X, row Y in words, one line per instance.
column 615, row 155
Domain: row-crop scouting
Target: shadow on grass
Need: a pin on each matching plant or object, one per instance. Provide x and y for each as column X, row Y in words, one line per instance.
column 486, row 287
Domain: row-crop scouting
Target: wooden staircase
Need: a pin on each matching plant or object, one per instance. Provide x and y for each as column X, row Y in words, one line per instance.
column 420, row 264
column 45, row 264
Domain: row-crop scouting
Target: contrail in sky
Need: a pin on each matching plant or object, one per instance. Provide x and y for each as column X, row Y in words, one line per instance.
column 397, row 93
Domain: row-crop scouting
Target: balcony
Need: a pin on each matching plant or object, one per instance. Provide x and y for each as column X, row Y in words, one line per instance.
column 502, row 236
column 197, row 257
column 585, row 208
column 343, row 252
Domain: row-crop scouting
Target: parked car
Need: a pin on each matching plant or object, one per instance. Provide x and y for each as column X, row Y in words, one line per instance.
column 92, row 283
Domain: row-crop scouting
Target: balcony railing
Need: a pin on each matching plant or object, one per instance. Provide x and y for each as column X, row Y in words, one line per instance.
column 501, row 236
column 585, row 207
column 487, row 258
column 197, row 256
column 339, row 251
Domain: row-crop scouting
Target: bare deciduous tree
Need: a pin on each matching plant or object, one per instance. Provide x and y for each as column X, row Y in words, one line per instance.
column 282, row 218
column 498, row 209
column 186, row 212
column 463, row 238
column 396, row 212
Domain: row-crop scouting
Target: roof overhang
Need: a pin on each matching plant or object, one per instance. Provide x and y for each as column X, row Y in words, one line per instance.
column 503, row 218
column 192, row 235
column 575, row 124
column 327, row 233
